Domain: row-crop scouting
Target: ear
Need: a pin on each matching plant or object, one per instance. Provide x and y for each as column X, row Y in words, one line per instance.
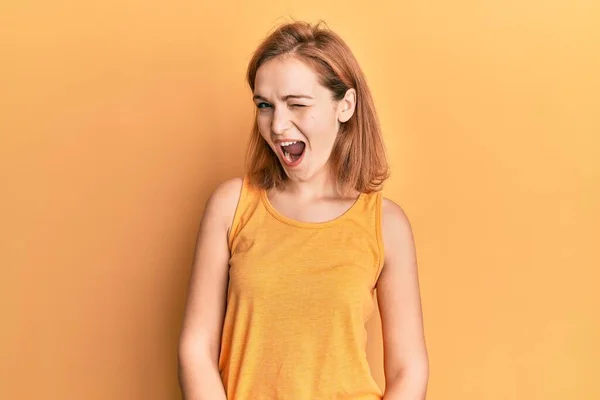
column 346, row 106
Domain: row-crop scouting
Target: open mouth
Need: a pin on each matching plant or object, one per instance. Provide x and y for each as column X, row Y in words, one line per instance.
column 292, row 151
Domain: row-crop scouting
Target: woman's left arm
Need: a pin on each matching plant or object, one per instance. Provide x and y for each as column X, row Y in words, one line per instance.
column 406, row 362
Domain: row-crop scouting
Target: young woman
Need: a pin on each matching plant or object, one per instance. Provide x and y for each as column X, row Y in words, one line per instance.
column 288, row 257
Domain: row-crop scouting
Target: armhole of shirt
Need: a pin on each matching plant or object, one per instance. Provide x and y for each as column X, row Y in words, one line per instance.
column 379, row 235
column 232, row 232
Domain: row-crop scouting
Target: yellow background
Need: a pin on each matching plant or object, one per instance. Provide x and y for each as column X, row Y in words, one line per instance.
column 118, row 118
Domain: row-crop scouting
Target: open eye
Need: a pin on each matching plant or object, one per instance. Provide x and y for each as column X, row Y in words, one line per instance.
column 263, row 105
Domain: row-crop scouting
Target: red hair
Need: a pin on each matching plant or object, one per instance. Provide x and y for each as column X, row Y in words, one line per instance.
column 358, row 156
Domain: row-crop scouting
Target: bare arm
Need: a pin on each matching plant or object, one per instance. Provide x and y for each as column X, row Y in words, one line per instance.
column 405, row 354
column 199, row 344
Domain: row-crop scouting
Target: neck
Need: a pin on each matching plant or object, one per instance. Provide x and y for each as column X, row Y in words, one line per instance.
column 320, row 185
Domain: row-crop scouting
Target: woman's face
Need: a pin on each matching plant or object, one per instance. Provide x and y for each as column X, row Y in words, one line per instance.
column 297, row 116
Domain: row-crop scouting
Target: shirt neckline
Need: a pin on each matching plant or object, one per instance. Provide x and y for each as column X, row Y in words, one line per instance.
column 302, row 224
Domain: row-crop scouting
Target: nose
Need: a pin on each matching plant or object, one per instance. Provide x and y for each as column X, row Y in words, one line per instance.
column 281, row 121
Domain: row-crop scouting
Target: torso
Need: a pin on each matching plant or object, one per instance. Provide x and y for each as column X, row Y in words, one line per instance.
column 301, row 289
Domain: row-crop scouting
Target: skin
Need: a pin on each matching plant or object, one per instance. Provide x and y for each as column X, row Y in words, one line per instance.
column 308, row 196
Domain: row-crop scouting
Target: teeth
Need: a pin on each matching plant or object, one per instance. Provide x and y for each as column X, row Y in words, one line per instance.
column 287, row 143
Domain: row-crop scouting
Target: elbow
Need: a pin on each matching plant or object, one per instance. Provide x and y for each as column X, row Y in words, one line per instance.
column 185, row 350
column 186, row 359
column 410, row 378
column 192, row 362
column 414, row 367
column 188, row 351
column 418, row 373
column 194, row 352
column 184, row 355
column 421, row 375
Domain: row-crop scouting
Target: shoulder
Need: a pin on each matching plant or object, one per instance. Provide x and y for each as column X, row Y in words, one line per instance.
column 227, row 191
column 223, row 201
column 393, row 214
column 396, row 227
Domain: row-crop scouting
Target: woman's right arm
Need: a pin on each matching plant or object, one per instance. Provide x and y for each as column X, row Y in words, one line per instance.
column 199, row 343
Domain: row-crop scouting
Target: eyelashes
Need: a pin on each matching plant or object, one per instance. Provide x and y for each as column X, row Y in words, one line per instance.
column 261, row 106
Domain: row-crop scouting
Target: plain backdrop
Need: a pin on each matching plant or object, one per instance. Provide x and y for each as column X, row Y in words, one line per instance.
column 118, row 118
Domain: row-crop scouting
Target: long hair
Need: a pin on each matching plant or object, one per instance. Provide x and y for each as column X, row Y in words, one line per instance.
column 358, row 156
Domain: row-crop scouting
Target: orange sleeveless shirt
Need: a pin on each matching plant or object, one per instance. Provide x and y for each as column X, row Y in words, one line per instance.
column 298, row 299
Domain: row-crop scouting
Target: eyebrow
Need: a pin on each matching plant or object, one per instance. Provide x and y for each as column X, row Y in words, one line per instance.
column 286, row 97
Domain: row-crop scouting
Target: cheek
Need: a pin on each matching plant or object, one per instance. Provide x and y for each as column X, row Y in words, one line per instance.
column 321, row 129
column 315, row 124
column 263, row 127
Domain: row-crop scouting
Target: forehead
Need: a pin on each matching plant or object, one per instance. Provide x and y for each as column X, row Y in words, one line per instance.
column 282, row 76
